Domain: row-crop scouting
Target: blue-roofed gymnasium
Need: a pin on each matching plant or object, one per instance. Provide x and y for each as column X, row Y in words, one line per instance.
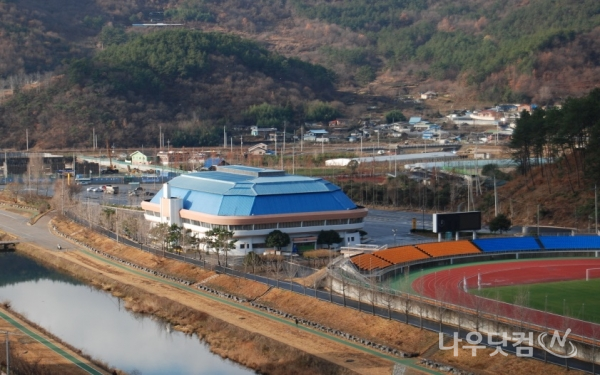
column 252, row 202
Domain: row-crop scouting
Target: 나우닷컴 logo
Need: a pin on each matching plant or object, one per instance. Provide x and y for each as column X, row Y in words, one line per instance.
column 561, row 342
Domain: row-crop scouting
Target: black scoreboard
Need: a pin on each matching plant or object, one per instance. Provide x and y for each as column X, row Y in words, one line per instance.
column 456, row 221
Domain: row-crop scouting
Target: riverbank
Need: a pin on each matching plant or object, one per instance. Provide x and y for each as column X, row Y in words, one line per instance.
column 403, row 337
column 256, row 342
column 35, row 351
column 393, row 334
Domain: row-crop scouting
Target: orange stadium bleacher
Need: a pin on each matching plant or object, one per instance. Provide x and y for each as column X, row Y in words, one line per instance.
column 402, row 254
column 369, row 262
column 448, row 248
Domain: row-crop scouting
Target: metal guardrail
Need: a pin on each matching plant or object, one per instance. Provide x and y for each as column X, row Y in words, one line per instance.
column 342, row 300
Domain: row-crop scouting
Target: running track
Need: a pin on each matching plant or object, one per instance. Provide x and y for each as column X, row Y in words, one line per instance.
column 447, row 286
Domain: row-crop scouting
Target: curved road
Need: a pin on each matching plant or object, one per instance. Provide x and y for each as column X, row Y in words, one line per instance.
column 41, row 235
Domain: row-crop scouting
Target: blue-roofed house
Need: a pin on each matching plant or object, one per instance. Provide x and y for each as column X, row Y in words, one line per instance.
column 414, row 120
column 252, row 202
column 314, row 134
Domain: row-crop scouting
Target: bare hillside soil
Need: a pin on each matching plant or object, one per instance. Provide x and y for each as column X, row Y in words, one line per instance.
column 563, row 199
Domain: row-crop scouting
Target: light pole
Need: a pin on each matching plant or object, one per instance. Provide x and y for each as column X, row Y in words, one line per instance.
column 538, row 220
column 8, row 350
column 7, row 354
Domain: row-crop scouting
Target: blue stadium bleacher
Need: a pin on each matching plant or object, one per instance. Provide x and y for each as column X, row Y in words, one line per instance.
column 507, row 244
column 570, row 242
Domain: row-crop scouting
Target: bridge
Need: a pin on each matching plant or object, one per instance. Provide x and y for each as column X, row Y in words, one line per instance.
column 8, row 245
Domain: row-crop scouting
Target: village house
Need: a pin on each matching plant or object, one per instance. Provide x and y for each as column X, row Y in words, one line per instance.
column 258, row 149
column 338, row 123
column 177, row 157
column 315, row 134
column 256, row 131
column 140, row 158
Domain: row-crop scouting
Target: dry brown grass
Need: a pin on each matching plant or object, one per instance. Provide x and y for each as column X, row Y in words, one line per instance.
column 482, row 363
column 7, row 237
column 171, row 267
column 242, row 349
column 559, row 194
column 253, row 350
column 320, row 253
column 394, row 334
column 312, row 280
column 239, row 287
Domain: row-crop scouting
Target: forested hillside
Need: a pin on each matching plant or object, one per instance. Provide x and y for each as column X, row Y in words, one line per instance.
column 558, row 152
column 186, row 81
column 539, row 51
column 508, row 51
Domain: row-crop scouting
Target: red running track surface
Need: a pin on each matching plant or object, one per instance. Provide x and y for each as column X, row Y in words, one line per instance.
column 447, row 286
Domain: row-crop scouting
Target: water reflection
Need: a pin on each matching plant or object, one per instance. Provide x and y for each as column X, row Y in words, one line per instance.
column 97, row 323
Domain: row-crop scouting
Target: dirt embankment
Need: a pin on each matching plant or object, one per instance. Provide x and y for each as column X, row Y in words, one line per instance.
column 257, row 342
column 245, row 346
column 393, row 334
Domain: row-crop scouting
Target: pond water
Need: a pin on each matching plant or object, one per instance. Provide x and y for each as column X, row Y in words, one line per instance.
column 97, row 323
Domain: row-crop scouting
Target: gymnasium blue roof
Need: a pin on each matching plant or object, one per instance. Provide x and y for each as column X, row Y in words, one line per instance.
column 244, row 191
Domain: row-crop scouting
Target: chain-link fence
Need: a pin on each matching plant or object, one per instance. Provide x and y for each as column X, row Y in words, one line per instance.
column 378, row 299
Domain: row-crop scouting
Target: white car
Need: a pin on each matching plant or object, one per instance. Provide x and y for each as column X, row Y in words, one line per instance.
column 97, row 190
column 91, row 188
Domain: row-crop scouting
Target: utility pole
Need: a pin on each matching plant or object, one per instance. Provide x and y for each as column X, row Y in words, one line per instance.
column 538, row 220
column 7, row 354
column 63, row 196
column 283, row 148
column 495, row 198
column 27, row 138
column 117, row 223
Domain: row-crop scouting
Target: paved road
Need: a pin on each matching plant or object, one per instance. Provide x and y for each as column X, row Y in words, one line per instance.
column 41, row 235
column 380, row 226
column 406, row 362
column 38, row 233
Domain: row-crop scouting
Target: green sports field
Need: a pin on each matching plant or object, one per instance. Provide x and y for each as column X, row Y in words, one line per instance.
column 577, row 299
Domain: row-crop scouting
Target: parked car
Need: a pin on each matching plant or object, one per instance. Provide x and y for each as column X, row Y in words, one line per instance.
column 91, row 188
column 97, row 190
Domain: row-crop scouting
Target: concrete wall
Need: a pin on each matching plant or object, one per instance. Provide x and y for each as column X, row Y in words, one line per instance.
column 463, row 318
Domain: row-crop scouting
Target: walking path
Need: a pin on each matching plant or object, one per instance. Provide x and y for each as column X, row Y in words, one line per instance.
column 405, row 362
column 84, row 365
column 41, row 235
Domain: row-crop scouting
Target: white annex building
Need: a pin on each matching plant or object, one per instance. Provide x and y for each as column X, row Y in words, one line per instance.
column 252, row 202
